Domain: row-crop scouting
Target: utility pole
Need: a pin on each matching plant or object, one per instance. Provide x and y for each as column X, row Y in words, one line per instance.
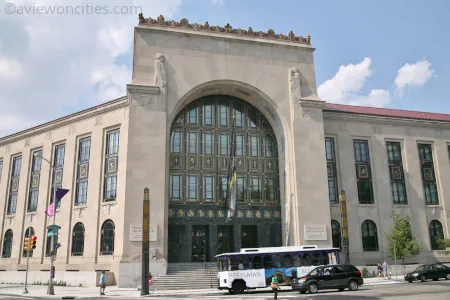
column 344, row 222
column 145, row 243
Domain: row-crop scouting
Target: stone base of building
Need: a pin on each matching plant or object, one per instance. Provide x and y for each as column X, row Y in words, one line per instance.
column 130, row 273
column 66, row 278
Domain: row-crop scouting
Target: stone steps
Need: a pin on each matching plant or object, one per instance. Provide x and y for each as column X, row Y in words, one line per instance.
column 187, row 276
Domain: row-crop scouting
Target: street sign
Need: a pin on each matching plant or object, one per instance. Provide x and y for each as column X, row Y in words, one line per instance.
column 52, row 233
column 53, row 227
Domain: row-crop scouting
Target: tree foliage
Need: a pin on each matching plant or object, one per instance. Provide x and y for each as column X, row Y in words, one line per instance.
column 406, row 243
column 444, row 244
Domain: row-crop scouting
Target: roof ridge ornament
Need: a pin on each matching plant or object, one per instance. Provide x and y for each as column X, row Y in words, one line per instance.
column 227, row 29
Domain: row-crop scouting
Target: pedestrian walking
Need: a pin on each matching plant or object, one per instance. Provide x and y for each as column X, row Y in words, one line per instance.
column 102, row 283
column 385, row 267
column 150, row 279
column 274, row 286
column 379, row 269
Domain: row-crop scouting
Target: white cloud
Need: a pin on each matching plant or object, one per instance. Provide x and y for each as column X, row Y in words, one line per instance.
column 347, row 83
column 413, row 75
column 51, row 64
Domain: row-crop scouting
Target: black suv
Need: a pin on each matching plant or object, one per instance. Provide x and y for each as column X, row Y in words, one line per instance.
column 329, row 277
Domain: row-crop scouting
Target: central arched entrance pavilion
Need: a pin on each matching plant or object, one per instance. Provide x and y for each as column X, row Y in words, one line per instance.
column 199, row 163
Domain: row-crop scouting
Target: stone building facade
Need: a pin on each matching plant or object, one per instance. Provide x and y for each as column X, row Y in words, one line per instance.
column 194, row 86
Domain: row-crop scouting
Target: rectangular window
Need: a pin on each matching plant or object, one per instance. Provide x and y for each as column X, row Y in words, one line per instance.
column 240, row 145
column 208, row 114
column 223, row 187
column 270, row 189
column 397, row 177
column 192, row 186
column 256, row 189
column 224, row 140
column 241, row 188
column 1, row 169
column 14, row 185
column 175, row 141
column 111, row 165
column 193, row 142
column 254, row 146
column 239, row 115
column 208, row 188
column 193, row 115
column 34, row 181
column 208, row 143
column 57, row 176
column 84, row 149
column 223, row 114
column 269, row 146
column 175, row 187
column 252, row 119
column 363, row 172
column 331, row 170
column 428, row 174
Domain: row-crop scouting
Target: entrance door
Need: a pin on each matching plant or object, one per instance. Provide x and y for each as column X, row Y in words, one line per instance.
column 177, row 243
column 200, row 243
column 225, row 239
column 249, row 236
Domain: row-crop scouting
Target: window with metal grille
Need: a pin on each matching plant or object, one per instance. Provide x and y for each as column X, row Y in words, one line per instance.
column 14, row 184
column 107, row 238
column 7, row 244
column 363, row 171
column 436, row 233
column 369, row 236
column 84, row 149
column 111, row 163
column 331, row 170
column 35, row 176
column 28, row 234
column 78, row 240
column 336, row 234
column 428, row 176
column 396, row 174
column 58, row 169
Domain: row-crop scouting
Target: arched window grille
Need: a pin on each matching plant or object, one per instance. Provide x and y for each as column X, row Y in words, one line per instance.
column 7, row 244
column 78, row 240
column 369, row 236
column 107, row 238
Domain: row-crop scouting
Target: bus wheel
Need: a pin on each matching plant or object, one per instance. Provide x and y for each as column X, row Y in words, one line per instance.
column 238, row 287
column 230, row 291
column 313, row 288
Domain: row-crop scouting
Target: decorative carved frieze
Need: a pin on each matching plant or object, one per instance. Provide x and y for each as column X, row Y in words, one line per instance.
column 227, row 29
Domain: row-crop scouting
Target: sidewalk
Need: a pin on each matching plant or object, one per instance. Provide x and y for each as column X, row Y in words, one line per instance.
column 40, row 291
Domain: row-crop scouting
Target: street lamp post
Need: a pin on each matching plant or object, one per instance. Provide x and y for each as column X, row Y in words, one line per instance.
column 50, row 289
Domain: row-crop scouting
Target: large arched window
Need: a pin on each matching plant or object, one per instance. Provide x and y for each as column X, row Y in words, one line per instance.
column 7, row 244
column 107, row 238
column 369, row 236
column 78, row 240
column 200, row 143
column 28, row 234
column 336, row 234
column 436, row 233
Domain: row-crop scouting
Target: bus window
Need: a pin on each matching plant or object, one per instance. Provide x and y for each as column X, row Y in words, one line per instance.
column 248, row 263
column 325, row 258
column 277, row 261
column 316, row 259
column 232, row 265
column 287, row 261
column 306, row 259
column 267, row 262
column 257, row 262
column 297, row 261
column 241, row 263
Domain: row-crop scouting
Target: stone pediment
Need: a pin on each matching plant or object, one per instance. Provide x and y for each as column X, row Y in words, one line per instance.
column 227, row 29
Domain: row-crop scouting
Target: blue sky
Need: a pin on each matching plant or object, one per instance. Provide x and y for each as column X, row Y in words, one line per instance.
column 379, row 53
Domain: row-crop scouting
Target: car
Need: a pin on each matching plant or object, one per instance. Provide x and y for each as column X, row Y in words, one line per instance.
column 337, row 277
column 429, row 271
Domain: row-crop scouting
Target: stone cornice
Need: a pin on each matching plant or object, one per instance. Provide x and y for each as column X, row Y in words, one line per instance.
column 64, row 121
column 342, row 116
column 143, row 89
column 312, row 103
column 226, row 30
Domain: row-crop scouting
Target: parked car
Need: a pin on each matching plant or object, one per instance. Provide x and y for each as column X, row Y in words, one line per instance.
column 329, row 277
column 431, row 271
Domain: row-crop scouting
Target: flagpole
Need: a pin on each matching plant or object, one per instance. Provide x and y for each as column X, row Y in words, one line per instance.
column 231, row 170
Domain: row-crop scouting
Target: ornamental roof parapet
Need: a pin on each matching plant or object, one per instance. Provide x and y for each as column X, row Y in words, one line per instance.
column 227, row 29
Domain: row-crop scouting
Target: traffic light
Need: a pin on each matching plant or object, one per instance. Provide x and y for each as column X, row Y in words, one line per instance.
column 33, row 242
column 26, row 244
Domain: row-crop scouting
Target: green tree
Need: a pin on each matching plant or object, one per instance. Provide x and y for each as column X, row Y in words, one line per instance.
column 444, row 244
column 406, row 243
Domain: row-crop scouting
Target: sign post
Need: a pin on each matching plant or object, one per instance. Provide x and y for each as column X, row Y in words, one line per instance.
column 344, row 222
column 27, row 247
column 145, row 243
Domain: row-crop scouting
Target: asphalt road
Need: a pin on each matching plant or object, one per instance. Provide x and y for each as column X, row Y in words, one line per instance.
column 416, row 291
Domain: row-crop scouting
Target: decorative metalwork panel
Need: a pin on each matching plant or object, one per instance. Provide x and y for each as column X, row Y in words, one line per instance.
column 35, row 181
column 15, row 185
column 208, row 162
column 330, row 170
column 112, row 164
column 84, row 170
column 428, row 174
column 58, row 175
column 176, row 161
column 254, row 165
column 396, row 173
column 363, row 171
column 223, row 163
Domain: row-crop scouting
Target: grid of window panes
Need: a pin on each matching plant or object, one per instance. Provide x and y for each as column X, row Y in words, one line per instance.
column 397, row 177
column 363, row 172
column 7, row 244
column 200, row 150
column 34, row 181
column 14, row 185
column 331, row 170
column 428, row 175
column 111, row 161
column 58, row 162
column 84, row 149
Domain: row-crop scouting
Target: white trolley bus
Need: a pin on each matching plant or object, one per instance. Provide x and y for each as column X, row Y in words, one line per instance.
column 253, row 268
